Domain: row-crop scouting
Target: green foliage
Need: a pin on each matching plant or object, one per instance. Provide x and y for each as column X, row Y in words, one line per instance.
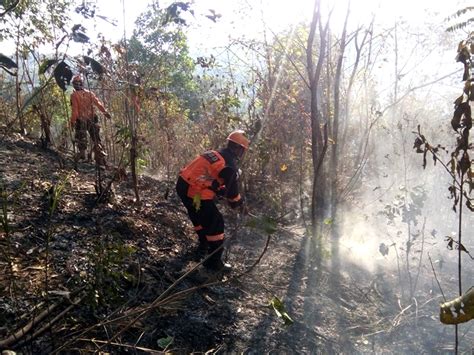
column 54, row 194
column 141, row 164
column 45, row 65
column 158, row 47
column 265, row 224
column 108, row 271
column 34, row 22
column 164, row 343
column 123, row 136
column 30, row 25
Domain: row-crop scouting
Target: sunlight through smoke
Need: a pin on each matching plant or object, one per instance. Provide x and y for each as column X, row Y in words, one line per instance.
column 360, row 242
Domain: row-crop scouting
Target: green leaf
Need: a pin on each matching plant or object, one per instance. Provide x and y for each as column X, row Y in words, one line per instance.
column 280, row 311
column 95, row 65
column 265, row 224
column 197, row 202
column 165, row 342
column 122, row 134
column 7, row 62
column 45, row 65
column 62, row 75
column 328, row 221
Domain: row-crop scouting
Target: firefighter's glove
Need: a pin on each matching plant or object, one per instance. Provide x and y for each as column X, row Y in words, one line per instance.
column 219, row 189
column 107, row 115
column 221, row 192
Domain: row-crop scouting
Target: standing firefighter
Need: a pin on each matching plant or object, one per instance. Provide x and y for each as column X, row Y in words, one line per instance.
column 212, row 173
column 84, row 120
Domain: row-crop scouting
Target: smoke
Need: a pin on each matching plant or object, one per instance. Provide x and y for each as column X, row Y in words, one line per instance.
column 398, row 227
column 360, row 242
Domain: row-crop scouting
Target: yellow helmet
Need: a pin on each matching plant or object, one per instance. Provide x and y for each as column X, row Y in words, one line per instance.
column 238, row 136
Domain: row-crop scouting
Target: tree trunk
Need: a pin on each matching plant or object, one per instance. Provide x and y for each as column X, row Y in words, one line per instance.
column 335, row 127
column 45, row 127
column 132, row 119
column 19, row 114
column 318, row 130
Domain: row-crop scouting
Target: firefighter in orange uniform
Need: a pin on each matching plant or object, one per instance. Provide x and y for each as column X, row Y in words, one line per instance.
column 212, row 173
column 84, row 120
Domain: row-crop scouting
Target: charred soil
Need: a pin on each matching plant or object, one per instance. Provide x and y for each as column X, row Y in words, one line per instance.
column 81, row 274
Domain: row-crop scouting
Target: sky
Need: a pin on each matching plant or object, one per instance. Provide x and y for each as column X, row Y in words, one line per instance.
column 237, row 18
column 247, row 17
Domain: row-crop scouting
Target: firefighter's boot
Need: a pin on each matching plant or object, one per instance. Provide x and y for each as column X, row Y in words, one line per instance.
column 201, row 249
column 215, row 262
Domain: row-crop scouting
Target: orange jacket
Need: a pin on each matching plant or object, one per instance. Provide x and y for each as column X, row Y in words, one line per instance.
column 82, row 104
column 202, row 172
column 213, row 172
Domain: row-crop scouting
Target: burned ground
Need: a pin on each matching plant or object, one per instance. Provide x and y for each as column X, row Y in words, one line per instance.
column 81, row 275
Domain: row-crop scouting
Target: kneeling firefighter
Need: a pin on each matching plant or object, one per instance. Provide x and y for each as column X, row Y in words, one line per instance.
column 212, row 173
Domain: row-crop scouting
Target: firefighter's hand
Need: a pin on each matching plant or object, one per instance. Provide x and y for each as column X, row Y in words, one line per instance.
column 107, row 115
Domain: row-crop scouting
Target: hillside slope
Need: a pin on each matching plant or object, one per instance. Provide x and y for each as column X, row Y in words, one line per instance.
column 89, row 275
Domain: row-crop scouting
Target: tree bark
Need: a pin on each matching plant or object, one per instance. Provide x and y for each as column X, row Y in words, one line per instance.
column 335, row 127
column 318, row 129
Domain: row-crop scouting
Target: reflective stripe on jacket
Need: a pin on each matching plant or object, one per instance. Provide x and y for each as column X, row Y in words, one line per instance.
column 202, row 172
